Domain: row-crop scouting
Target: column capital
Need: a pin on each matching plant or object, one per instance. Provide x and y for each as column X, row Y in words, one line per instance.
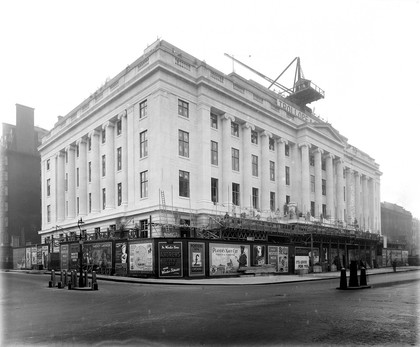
column 122, row 114
column 108, row 124
column 93, row 133
column 304, row 144
column 228, row 117
column 266, row 133
column 339, row 161
column 282, row 140
column 60, row 154
column 80, row 141
column 349, row 170
column 318, row 150
column 329, row 156
column 249, row 125
column 356, row 173
column 70, row 148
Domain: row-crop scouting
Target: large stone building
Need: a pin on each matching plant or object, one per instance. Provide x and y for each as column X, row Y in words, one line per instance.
column 397, row 224
column 20, row 186
column 174, row 141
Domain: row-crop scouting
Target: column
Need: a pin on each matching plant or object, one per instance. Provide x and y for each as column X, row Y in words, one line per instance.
column 296, row 176
column 306, row 197
column 357, row 197
column 349, row 218
column 365, row 194
column 60, row 184
column 131, row 157
column 82, row 189
column 96, row 175
column 246, row 166
column 318, row 181
column 265, row 172
column 225, row 186
column 71, row 184
column 280, row 175
column 340, row 190
column 110, row 166
column 123, row 117
column 372, row 204
column 329, row 168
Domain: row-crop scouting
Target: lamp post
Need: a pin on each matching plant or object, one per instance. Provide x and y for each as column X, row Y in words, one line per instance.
column 79, row 223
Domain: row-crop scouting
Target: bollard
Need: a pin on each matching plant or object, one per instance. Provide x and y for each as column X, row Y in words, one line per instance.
column 69, row 286
column 50, row 284
column 65, row 278
column 95, row 286
column 343, row 279
column 53, row 278
column 363, row 281
column 61, row 276
column 85, row 281
column 60, row 285
column 93, row 276
column 353, row 282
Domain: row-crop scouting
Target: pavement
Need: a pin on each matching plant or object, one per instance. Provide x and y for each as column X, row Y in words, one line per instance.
column 241, row 280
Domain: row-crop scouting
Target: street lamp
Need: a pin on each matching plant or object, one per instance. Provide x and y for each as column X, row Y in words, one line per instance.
column 79, row 223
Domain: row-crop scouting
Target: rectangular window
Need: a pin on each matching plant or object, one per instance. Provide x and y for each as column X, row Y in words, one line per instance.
column 286, row 150
column 119, row 127
column 287, row 174
column 323, row 164
column 324, row 187
column 48, row 187
column 48, row 164
column 184, row 184
column 234, row 129
column 311, row 160
column 287, row 199
column 254, row 137
column 254, row 165
column 236, row 194
column 119, row 191
column 272, row 171
column 67, row 182
column 77, row 177
column 90, row 143
column 48, row 213
column 313, row 208
column 103, row 135
column 77, row 206
column 183, row 143
column 119, row 158
column 103, row 165
column 143, row 144
column 144, row 184
column 183, row 108
column 235, row 159
column 272, row 201
column 103, row 198
column 77, row 151
column 214, row 190
column 90, row 171
column 344, row 193
column 324, row 211
column 255, row 197
column 213, row 120
column 271, row 144
column 214, row 153
column 143, row 109
column 90, row 202
column 312, row 184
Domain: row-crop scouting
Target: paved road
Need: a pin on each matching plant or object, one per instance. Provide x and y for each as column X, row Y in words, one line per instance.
column 301, row 313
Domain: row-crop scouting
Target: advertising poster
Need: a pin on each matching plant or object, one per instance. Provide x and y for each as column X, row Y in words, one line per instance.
column 98, row 255
column 39, row 255
column 196, row 259
column 45, row 251
column 258, row 255
column 74, row 255
column 34, row 255
column 170, row 259
column 64, row 257
column 141, row 257
column 404, row 257
column 226, row 259
column 121, row 258
column 302, row 255
column 19, row 258
column 28, row 261
column 279, row 257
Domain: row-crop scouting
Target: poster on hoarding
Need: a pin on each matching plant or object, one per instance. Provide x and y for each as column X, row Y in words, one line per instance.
column 28, row 263
column 39, row 255
column 19, row 258
column 97, row 256
column 74, row 255
column 279, row 257
column 196, row 259
column 141, row 257
column 170, row 259
column 34, row 254
column 226, row 259
column 302, row 258
column 121, row 258
column 64, row 257
column 45, row 251
column 258, row 255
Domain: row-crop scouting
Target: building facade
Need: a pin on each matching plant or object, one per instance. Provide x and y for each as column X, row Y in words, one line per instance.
column 397, row 224
column 20, row 192
column 173, row 141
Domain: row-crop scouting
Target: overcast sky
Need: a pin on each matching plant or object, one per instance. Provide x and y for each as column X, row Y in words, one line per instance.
column 364, row 54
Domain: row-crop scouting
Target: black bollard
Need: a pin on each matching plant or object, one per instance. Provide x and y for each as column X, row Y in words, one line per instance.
column 363, row 280
column 53, row 278
column 343, row 279
column 353, row 282
column 85, row 281
column 65, row 278
column 61, row 276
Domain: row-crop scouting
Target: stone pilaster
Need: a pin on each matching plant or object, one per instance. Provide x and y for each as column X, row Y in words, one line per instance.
column 306, row 197
column 95, row 174
column 318, row 181
column 340, row 190
column 329, row 168
column 110, row 165
column 225, row 186
column 71, row 184
column 265, row 171
column 246, row 166
column 82, row 188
